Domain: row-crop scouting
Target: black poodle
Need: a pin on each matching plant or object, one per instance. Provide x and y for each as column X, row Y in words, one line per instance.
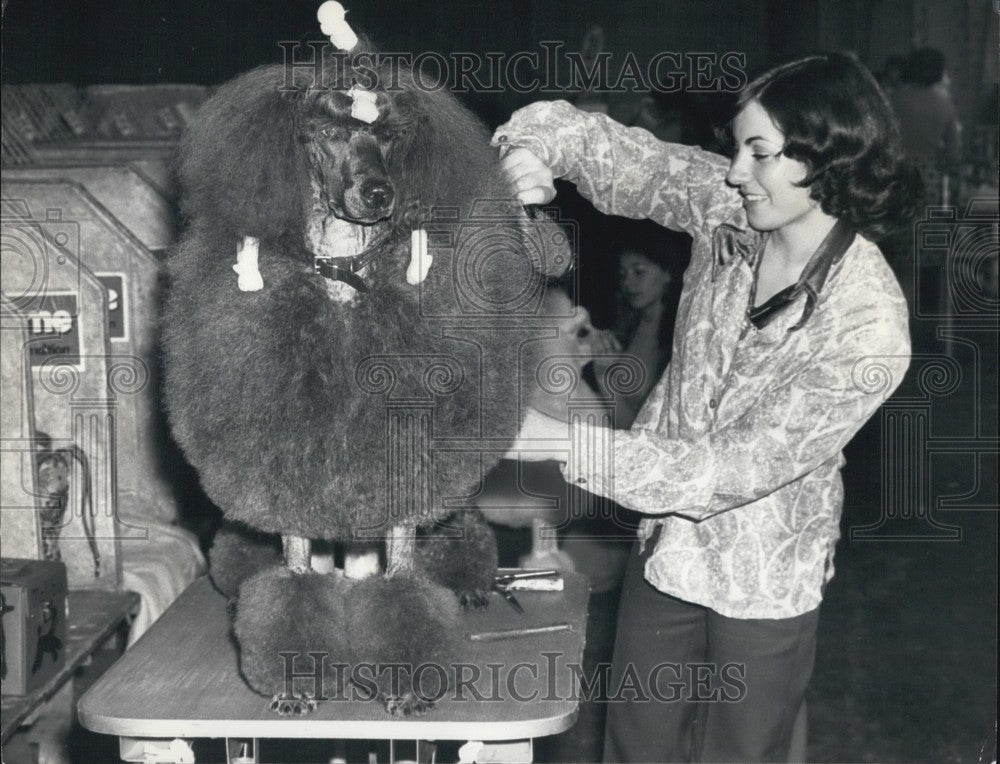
column 335, row 387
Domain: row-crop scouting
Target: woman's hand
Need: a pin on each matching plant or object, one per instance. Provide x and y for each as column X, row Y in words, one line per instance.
column 607, row 351
column 604, row 343
column 542, row 438
column 530, row 178
column 577, row 338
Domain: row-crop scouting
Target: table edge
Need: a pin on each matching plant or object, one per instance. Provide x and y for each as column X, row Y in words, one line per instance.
column 425, row 728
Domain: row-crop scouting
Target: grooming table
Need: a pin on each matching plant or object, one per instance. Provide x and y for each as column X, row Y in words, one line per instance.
column 180, row 681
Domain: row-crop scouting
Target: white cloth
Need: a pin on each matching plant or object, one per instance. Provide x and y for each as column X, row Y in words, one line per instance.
column 158, row 568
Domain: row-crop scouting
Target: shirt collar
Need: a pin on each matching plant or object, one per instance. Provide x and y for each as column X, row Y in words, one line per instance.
column 735, row 238
column 812, row 280
column 828, row 254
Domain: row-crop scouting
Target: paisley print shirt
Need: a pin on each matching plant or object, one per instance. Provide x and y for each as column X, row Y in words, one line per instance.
column 737, row 451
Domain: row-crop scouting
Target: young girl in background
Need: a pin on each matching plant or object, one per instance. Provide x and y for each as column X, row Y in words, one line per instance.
column 646, row 304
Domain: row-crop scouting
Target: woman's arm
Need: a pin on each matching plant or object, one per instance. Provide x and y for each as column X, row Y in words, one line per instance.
column 789, row 432
column 634, row 369
column 624, row 171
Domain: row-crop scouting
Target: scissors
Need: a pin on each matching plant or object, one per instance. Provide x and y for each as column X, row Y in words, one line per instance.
column 502, row 584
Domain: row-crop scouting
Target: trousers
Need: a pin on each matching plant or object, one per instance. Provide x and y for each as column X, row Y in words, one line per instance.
column 688, row 684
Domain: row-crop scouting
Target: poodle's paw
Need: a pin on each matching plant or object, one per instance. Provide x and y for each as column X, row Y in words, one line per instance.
column 284, row 620
column 292, row 704
column 407, row 704
column 474, row 599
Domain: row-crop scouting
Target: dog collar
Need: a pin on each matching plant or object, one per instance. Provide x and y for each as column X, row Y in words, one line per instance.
column 346, row 268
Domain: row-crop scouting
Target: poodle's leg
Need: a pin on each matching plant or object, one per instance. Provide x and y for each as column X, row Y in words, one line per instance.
column 400, row 549
column 298, row 553
column 403, row 594
column 545, row 551
column 287, row 621
column 461, row 553
column 298, row 559
column 239, row 552
column 407, row 628
column 399, row 560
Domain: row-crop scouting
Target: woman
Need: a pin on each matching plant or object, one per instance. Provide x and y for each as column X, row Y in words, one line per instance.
column 791, row 331
column 644, row 327
column 929, row 126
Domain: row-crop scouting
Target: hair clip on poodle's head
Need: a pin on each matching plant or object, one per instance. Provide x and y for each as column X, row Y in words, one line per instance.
column 333, row 23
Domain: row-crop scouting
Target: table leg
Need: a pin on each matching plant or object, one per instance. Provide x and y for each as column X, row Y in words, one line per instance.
column 151, row 751
column 241, row 750
column 507, row 751
column 424, row 752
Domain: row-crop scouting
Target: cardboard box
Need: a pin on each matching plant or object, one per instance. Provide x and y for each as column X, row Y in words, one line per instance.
column 34, row 622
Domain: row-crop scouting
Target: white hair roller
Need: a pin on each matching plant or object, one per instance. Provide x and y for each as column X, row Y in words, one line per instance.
column 333, row 23
column 420, row 260
column 363, row 104
column 250, row 279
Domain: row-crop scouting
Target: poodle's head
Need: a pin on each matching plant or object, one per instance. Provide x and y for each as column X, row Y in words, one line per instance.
column 347, row 155
column 270, row 144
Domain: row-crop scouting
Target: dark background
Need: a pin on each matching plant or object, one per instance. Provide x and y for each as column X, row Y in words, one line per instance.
column 147, row 41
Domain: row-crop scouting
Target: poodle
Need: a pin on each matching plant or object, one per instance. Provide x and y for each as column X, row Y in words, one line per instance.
column 343, row 384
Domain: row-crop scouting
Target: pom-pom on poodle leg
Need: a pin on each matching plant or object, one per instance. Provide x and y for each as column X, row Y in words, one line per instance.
column 348, row 618
column 460, row 553
column 288, row 615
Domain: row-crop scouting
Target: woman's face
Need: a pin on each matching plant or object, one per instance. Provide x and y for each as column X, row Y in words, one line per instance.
column 642, row 282
column 765, row 177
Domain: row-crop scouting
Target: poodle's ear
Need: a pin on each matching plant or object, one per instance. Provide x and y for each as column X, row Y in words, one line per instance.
column 402, row 120
column 242, row 161
column 444, row 154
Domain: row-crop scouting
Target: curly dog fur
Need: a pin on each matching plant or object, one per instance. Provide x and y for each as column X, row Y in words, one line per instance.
column 263, row 387
column 284, row 399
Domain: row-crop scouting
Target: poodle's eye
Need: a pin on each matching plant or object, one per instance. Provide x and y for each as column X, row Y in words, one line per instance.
column 388, row 136
column 331, row 133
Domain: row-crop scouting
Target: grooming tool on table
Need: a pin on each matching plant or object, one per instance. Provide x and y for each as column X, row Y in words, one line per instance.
column 495, row 636
column 531, row 580
column 504, row 591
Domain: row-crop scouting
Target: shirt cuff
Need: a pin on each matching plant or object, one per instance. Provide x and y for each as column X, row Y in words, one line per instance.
column 536, row 127
column 590, row 458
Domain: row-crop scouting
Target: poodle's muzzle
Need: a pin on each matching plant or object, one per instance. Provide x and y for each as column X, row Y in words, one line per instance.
column 349, row 166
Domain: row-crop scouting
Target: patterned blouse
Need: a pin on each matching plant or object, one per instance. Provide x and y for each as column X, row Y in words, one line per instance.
column 737, row 451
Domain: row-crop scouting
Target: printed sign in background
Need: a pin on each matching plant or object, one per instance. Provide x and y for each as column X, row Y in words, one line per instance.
column 117, row 313
column 54, row 328
column 107, row 248
column 20, row 529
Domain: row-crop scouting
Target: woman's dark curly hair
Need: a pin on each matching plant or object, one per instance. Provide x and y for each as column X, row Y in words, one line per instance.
column 837, row 121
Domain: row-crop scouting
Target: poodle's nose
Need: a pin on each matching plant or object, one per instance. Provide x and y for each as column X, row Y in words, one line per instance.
column 376, row 194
